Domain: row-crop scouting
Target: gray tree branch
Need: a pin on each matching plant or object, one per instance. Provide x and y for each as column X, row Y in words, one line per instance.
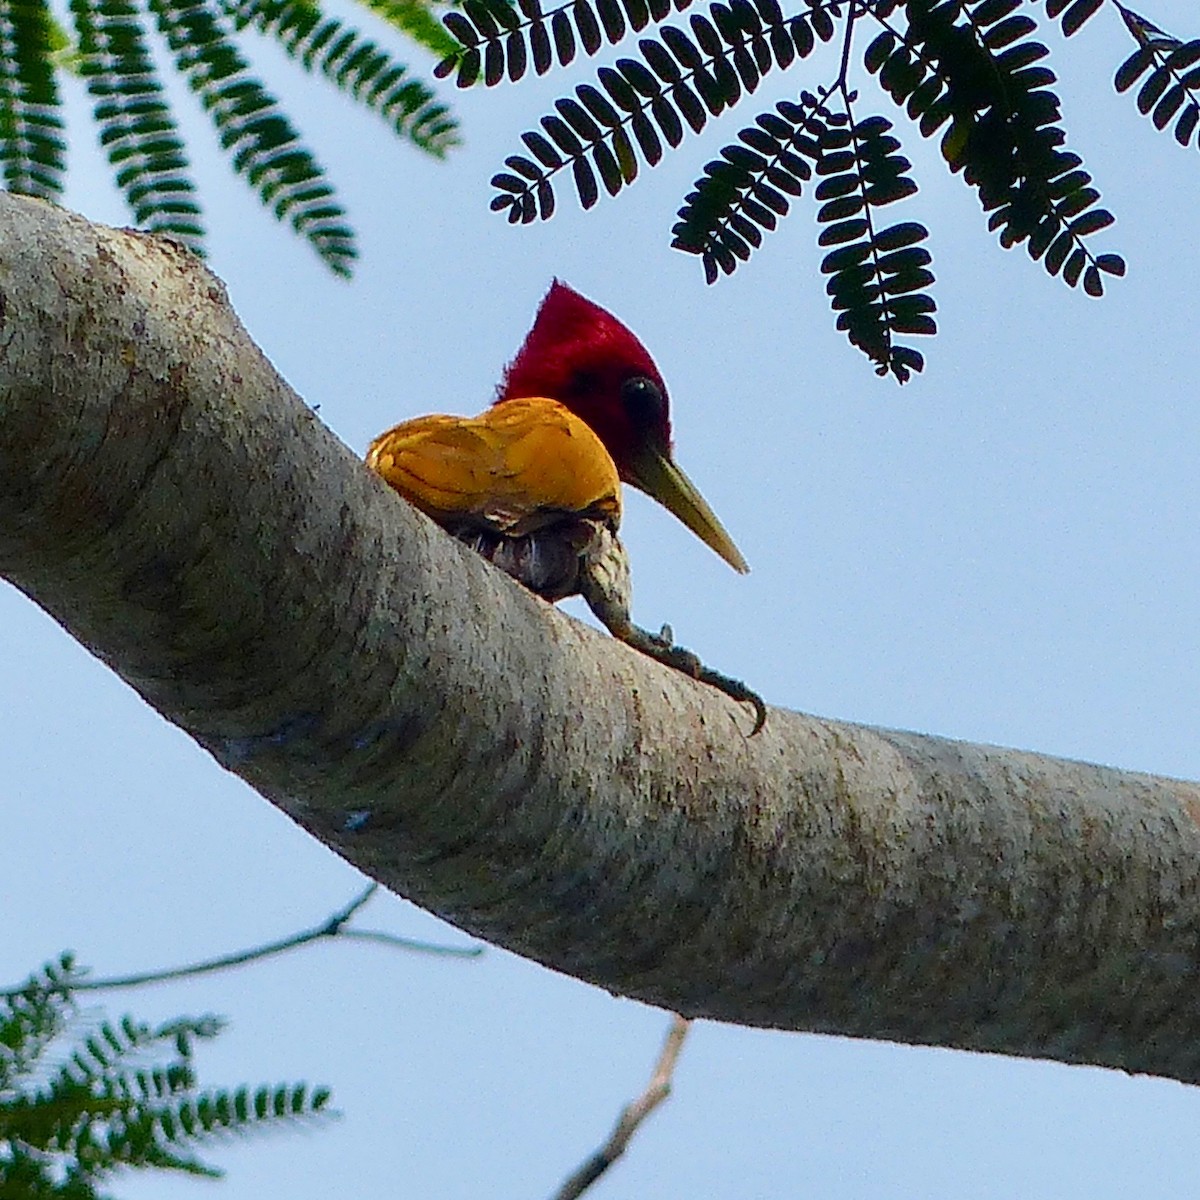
column 169, row 500
column 632, row 1116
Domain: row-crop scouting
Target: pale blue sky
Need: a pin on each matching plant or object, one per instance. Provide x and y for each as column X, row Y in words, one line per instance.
column 1005, row 550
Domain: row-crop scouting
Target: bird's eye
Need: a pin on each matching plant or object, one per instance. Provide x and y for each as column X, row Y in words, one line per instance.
column 643, row 400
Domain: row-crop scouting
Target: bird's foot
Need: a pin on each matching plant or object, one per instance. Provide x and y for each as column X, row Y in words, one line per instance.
column 663, row 648
column 604, row 584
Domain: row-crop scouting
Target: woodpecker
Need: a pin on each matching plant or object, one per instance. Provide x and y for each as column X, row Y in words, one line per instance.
column 533, row 482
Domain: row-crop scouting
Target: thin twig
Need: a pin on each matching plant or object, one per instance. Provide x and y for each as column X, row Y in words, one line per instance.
column 847, row 42
column 332, row 927
column 657, row 1090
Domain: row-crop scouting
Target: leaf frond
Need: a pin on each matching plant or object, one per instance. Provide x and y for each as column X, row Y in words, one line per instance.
column 122, row 1095
column 1170, row 91
column 968, row 68
column 356, row 66
column 32, row 1017
column 876, row 273
column 136, row 125
column 745, row 192
column 32, row 149
column 740, row 39
column 415, row 19
column 253, row 130
column 681, row 79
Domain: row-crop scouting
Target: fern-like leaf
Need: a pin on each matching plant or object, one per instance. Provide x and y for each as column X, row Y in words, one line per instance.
column 1171, row 89
column 414, row 18
column 679, row 81
column 970, row 71
column 354, row 65
column 125, row 1096
column 740, row 39
column 876, row 274
column 31, row 1018
column 263, row 146
column 745, row 192
column 137, row 128
column 971, row 68
column 32, row 150
column 1073, row 13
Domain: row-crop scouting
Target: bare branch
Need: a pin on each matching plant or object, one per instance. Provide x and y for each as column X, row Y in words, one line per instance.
column 333, row 927
column 169, row 500
column 632, row 1115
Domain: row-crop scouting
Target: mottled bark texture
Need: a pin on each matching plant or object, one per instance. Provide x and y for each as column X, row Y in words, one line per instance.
column 168, row 499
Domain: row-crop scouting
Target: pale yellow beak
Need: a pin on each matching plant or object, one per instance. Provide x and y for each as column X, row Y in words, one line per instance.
column 661, row 480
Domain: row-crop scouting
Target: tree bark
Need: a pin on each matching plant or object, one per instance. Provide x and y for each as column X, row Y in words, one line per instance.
column 168, row 499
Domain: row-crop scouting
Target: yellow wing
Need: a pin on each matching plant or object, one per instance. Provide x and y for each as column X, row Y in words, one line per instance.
column 517, row 467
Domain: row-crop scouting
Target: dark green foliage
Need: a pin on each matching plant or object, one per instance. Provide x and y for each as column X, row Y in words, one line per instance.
column 976, row 79
column 745, row 191
column 137, row 128
column 970, row 71
column 1171, row 71
column 79, row 1102
column 416, row 21
column 728, row 49
column 31, row 144
column 646, row 101
column 138, row 131
column 355, row 66
column 875, row 273
column 264, row 147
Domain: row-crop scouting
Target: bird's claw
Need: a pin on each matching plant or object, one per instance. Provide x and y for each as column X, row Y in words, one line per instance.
column 604, row 584
column 663, row 648
column 736, row 690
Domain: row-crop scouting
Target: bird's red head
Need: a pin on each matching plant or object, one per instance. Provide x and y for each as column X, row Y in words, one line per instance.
column 582, row 356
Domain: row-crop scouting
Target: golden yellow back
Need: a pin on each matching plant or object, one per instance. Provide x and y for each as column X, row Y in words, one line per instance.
column 517, row 467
